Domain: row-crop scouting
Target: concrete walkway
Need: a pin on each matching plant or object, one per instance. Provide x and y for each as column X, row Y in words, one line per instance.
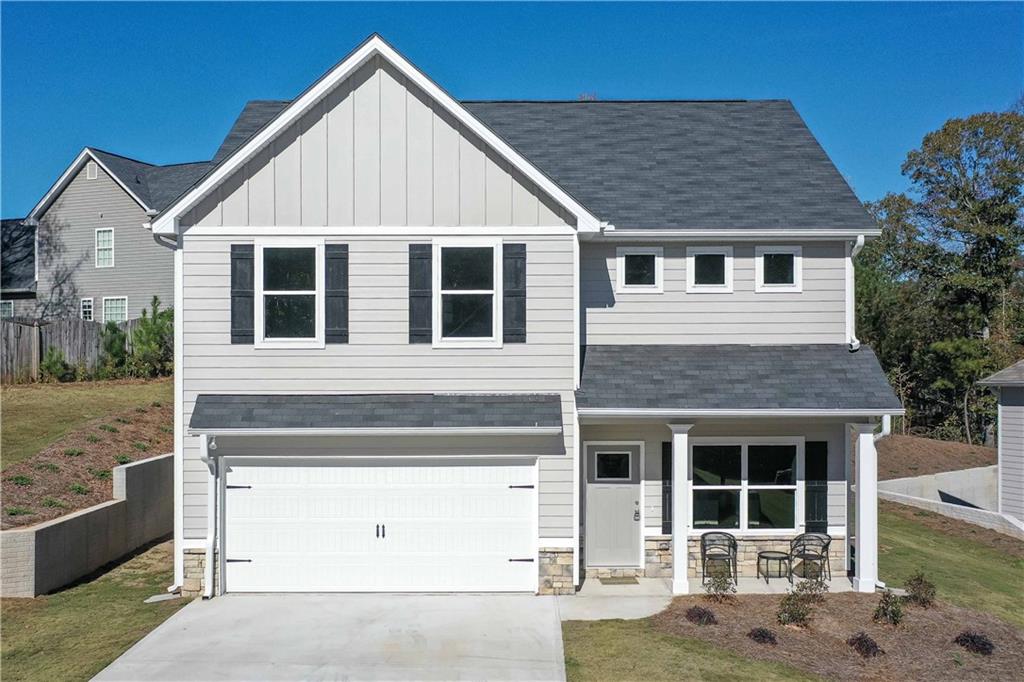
column 596, row 601
column 352, row 637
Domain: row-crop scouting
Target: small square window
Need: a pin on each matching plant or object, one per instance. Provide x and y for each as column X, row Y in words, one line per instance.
column 709, row 269
column 640, row 269
column 115, row 309
column 612, row 466
column 6, row 309
column 778, row 269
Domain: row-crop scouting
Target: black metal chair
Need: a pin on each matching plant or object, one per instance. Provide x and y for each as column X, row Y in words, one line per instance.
column 811, row 549
column 718, row 547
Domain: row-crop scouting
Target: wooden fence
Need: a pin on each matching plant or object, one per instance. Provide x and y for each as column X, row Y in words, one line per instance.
column 23, row 344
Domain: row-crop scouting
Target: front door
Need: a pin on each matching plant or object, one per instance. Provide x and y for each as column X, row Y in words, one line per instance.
column 613, row 505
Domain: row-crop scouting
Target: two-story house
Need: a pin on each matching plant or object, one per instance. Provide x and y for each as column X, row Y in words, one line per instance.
column 430, row 345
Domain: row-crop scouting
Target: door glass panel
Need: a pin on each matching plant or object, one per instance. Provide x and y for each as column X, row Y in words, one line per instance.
column 613, row 465
column 716, row 464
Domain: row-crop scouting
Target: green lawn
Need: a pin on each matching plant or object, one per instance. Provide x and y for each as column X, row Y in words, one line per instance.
column 966, row 572
column 35, row 415
column 73, row 634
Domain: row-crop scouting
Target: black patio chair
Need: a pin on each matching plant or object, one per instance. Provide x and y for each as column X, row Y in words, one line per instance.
column 811, row 549
column 718, row 547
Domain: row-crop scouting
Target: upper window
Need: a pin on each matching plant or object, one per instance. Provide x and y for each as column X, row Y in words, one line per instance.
column 289, row 294
column 115, row 309
column 639, row 269
column 91, row 171
column 612, row 466
column 467, row 293
column 778, row 268
column 105, row 248
column 6, row 309
column 86, row 309
column 709, row 269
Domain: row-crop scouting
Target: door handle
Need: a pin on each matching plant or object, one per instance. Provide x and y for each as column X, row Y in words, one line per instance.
column 636, row 514
column 378, row 530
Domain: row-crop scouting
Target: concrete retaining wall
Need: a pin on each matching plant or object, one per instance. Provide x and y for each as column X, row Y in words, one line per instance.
column 47, row 556
column 975, row 486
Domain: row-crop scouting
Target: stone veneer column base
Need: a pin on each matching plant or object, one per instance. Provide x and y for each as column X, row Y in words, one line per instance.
column 195, row 573
column 556, row 571
column 658, row 556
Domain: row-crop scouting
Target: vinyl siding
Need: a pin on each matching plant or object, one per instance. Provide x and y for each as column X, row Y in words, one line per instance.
column 815, row 315
column 376, row 151
column 142, row 268
column 378, row 357
column 1011, row 451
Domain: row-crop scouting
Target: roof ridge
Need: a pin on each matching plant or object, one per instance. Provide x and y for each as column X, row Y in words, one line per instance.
column 120, row 156
column 182, row 163
column 624, row 101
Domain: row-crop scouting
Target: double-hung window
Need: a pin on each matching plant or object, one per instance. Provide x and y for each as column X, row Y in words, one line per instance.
column 105, row 247
column 86, row 309
column 746, row 485
column 778, row 269
column 289, row 280
column 115, row 309
column 467, row 293
column 709, row 269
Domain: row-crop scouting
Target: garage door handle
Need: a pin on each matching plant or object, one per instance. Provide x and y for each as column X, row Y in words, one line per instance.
column 521, row 486
column 239, row 561
column 378, row 530
column 529, row 560
column 383, row 530
column 236, row 487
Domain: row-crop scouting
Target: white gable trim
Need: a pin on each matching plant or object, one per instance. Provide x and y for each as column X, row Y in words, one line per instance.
column 167, row 221
column 65, row 179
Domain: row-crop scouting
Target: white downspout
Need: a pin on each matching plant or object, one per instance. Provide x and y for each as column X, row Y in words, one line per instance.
column 211, row 516
column 851, row 304
column 886, row 427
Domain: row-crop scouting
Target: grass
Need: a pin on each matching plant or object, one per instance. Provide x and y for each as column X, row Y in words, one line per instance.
column 35, row 415
column 634, row 650
column 966, row 572
column 59, row 636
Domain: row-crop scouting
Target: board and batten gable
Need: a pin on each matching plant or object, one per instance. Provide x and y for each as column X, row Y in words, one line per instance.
column 67, row 240
column 743, row 316
column 1011, row 451
column 376, row 150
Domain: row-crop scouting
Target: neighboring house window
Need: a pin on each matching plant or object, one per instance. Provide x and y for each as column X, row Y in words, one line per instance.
column 778, row 268
column 115, row 309
column 639, row 269
column 613, row 466
column 6, row 309
column 290, row 293
column 467, row 293
column 709, row 269
column 91, row 171
column 86, row 309
column 747, row 486
column 105, row 248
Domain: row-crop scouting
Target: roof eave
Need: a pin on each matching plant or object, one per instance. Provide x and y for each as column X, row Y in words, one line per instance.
column 738, row 234
column 657, row 413
column 384, row 430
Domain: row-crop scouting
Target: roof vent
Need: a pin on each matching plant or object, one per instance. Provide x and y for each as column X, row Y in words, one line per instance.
column 90, row 170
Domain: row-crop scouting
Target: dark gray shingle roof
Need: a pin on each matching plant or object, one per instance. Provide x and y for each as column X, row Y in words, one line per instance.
column 255, row 114
column 17, row 256
column 155, row 186
column 1011, row 376
column 381, row 411
column 734, row 377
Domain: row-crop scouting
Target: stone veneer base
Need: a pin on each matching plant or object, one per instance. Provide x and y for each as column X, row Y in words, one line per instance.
column 556, row 571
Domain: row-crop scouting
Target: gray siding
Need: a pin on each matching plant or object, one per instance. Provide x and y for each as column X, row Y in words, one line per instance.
column 378, row 357
column 67, row 260
column 376, row 151
column 1011, row 451
column 815, row 315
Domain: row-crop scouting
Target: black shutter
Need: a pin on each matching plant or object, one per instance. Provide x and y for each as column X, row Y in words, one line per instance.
column 336, row 292
column 514, row 293
column 420, row 294
column 242, row 293
column 666, row 487
column 816, row 486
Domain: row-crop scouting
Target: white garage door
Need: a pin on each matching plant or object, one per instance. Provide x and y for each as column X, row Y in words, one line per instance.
column 373, row 526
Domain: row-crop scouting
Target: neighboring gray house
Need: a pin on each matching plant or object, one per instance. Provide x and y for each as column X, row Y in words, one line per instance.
column 427, row 345
column 94, row 258
column 1008, row 385
column 17, row 269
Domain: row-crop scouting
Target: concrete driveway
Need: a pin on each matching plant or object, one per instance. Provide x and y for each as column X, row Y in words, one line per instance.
column 352, row 637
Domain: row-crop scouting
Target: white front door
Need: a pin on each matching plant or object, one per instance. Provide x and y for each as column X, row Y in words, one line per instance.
column 369, row 525
column 614, row 515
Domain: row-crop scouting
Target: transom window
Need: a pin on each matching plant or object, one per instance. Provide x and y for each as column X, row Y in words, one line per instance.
column 6, row 309
column 639, row 269
column 86, row 309
column 709, row 269
column 612, row 466
column 746, row 486
column 467, row 290
column 289, row 295
column 115, row 309
column 105, row 248
column 778, row 268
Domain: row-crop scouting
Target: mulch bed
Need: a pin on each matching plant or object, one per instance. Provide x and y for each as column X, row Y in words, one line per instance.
column 954, row 528
column 83, row 458
column 905, row 456
column 920, row 648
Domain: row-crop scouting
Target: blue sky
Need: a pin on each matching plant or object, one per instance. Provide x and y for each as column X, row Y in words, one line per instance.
column 163, row 82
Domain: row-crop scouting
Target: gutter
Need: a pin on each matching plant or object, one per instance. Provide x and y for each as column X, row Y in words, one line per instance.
column 355, row 431
column 680, row 413
column 610, row 233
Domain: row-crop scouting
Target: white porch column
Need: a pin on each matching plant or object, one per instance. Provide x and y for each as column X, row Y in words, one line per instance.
column 680, row 506
column 867, row 507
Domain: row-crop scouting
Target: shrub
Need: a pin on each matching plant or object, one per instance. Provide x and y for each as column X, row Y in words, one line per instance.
column 123, row 459
column 108, row 428
column 153, row 343
column 53, row 503
column 18, row 511
column 794, row 609
column 140, row 410
column 698, row 615
column 864, row 645
column 763, row 636
column 719, row 587
column 46, row 466
column 975, row 642
column 92, row 438
column 79, row 489
column 889, row 609
column 102, row 474
column 156, row 403
column 82, row 372
column 123, row 420
column 140, row 446
column 920, row 590
column 113, row 355
column 813, row 591
column 53, row 367
column 73, row 452
column 166, row 429
column 20, row 480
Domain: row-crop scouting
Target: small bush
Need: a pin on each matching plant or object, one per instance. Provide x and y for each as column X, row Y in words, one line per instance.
column 794, row 609
column 20, row 480
column 975, row 642
column 73, row 452
column 889, row 609
column 53, row 367
column 46, row 466
column 123, row 420
column 920, row 590
column 18, row 511
column 864, row 645
column 166, row 429
column 156, row 403
column 82, row 372
column 53, row 503
column 79, row 489
column 813, row 591
column 102, row 474
column 93, row 438
column 698, row 615
column 140, row 446
column 123, row 459
column 140, row 410
column 763, row 636
column 720, row 588
column 109, row 428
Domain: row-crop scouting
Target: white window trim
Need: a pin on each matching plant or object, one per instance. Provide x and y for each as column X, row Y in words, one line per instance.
column 4, row 305
column 91, row 170
column 496, row 339
column 96, row 246
column 114, row 298
column 92, row 309
column 692, row 287
column 620, row 270
column 629, row 476
column 798, row 280
column 261, row 341
column 745, row 487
